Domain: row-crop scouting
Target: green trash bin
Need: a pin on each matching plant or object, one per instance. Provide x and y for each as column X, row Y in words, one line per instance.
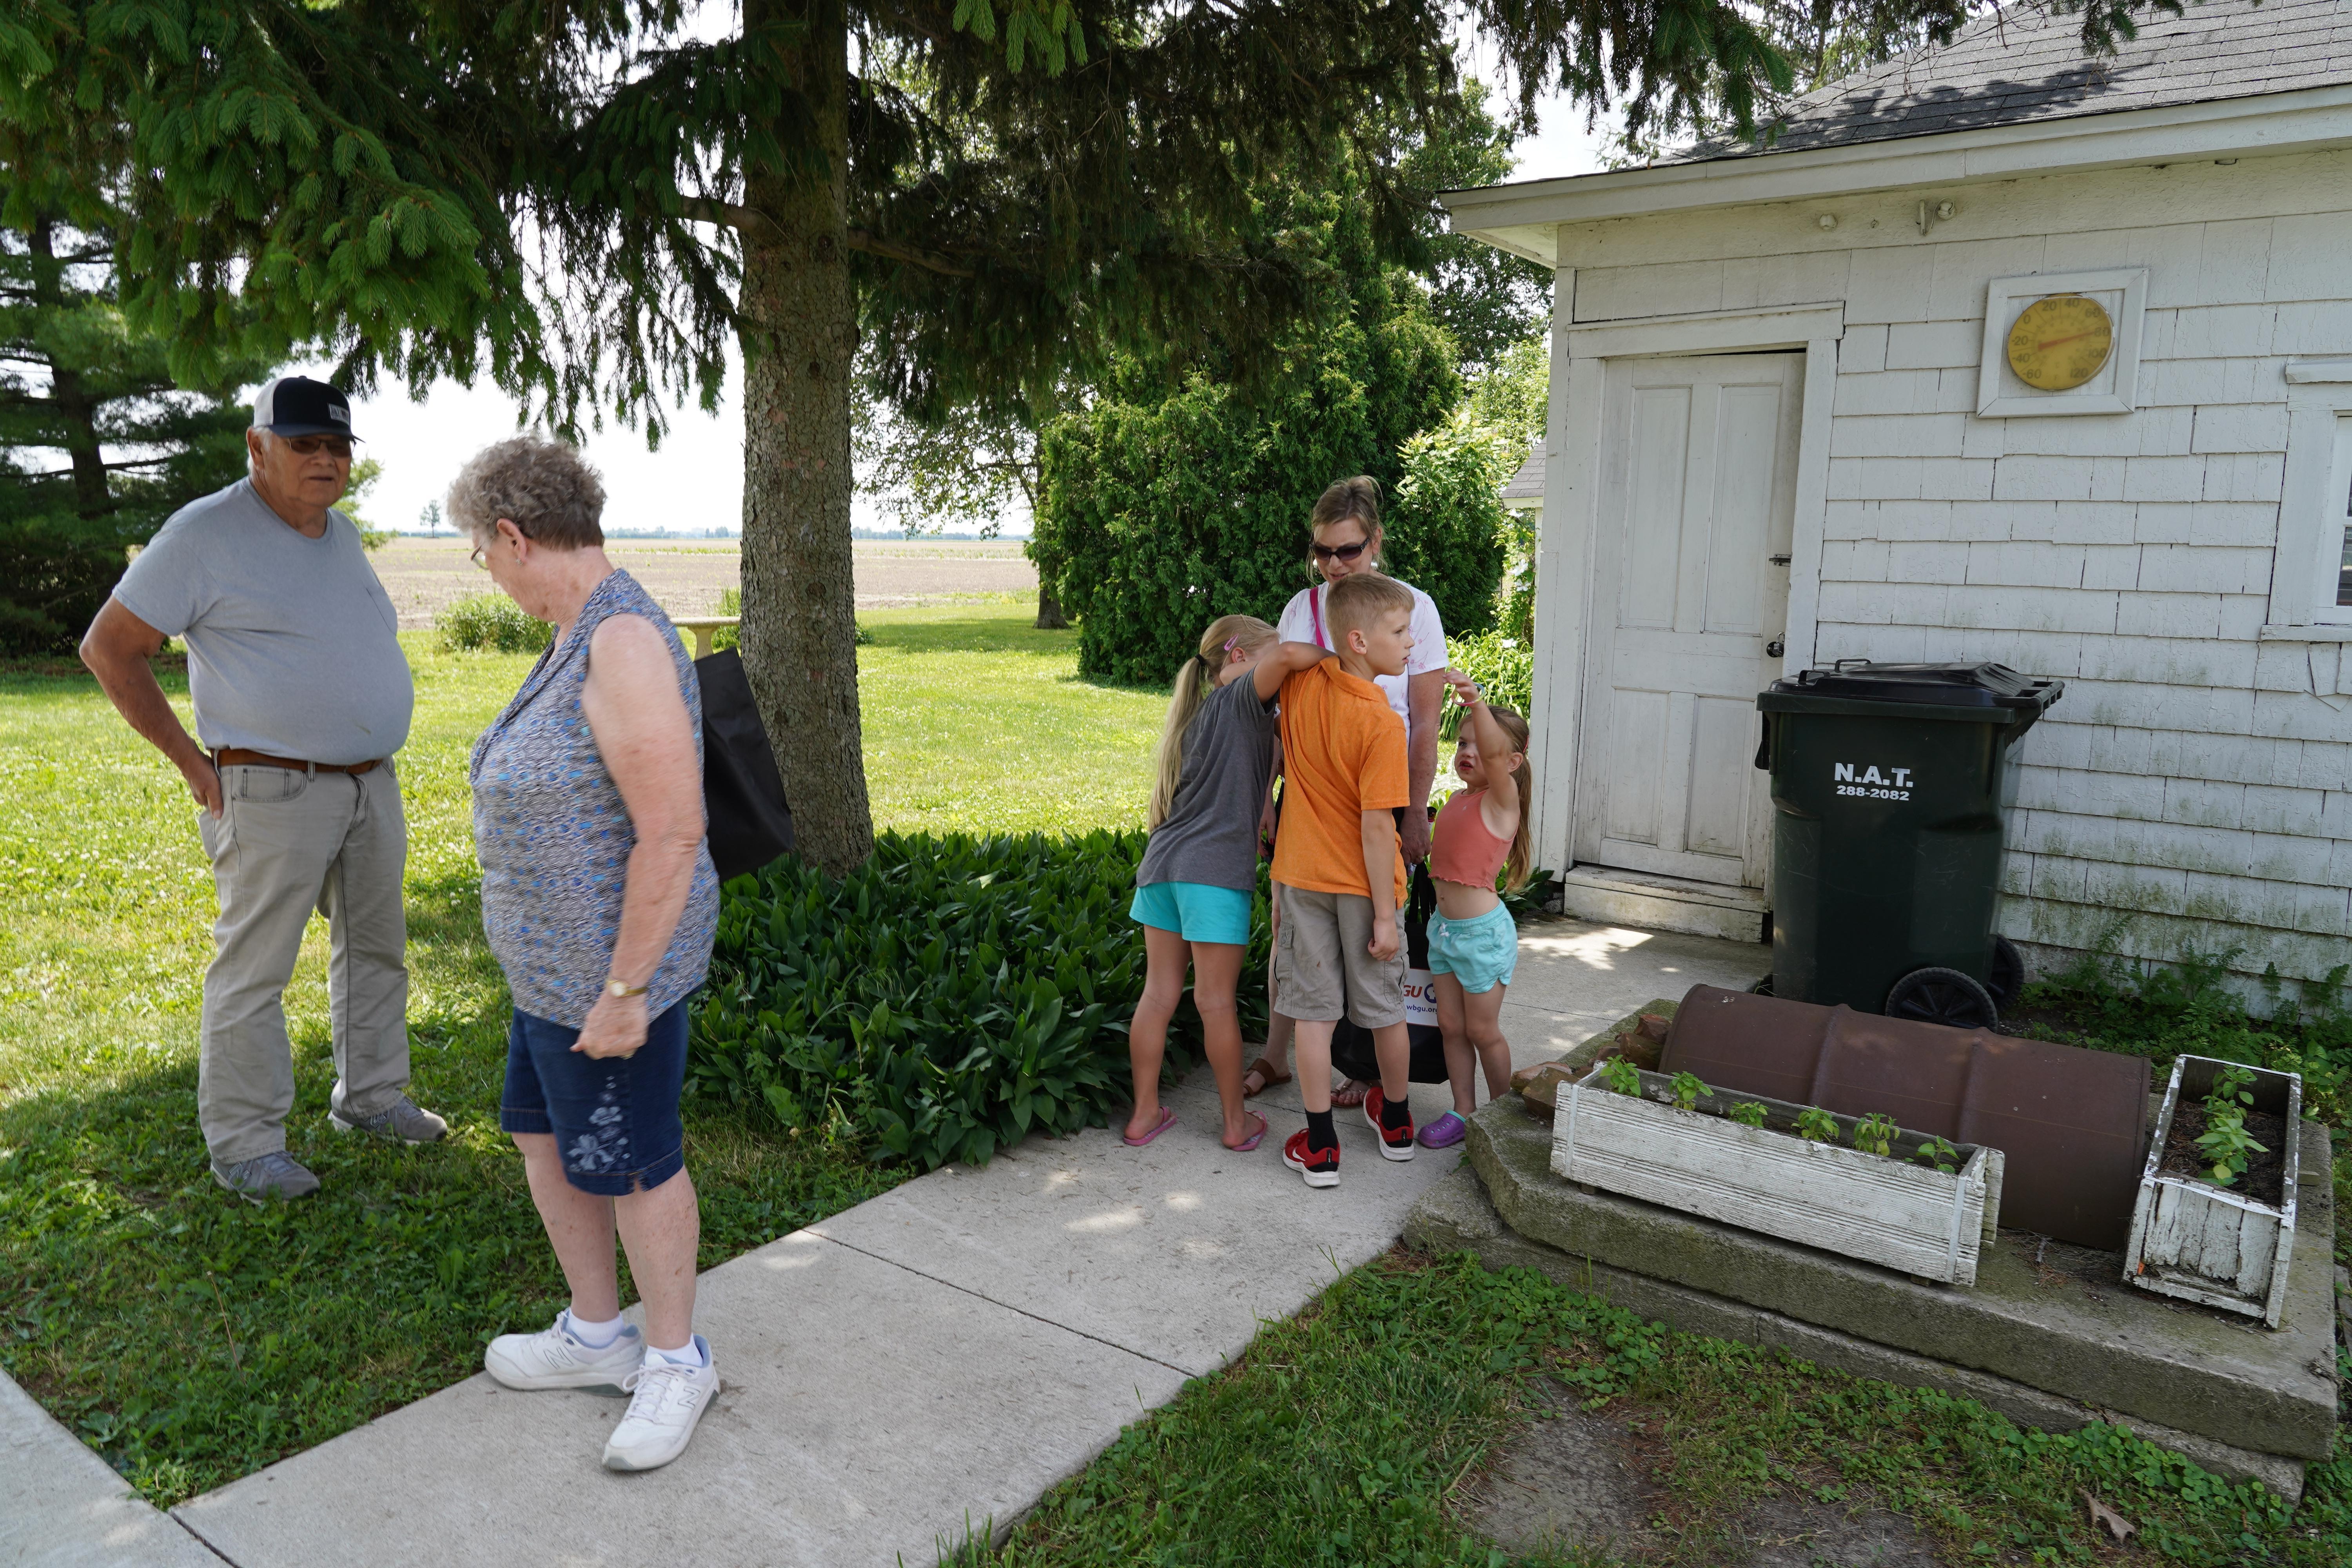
column 1889, row 785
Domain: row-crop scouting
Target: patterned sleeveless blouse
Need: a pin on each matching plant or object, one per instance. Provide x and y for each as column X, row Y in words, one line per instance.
column 554, row 839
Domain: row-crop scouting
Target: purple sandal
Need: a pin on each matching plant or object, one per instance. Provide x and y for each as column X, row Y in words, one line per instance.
column 1445, row 1132
column 1167, row 1120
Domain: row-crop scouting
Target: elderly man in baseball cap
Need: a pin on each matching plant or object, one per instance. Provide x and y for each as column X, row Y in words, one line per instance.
column 302, row 696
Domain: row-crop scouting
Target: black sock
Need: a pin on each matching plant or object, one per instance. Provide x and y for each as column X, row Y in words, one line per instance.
column 1395, row 1113
column 1319, row 1135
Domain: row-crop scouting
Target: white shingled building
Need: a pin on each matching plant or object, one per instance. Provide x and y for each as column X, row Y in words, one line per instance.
column 1799, row 413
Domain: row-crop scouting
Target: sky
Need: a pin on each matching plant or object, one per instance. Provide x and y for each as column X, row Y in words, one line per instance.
column 696, row 481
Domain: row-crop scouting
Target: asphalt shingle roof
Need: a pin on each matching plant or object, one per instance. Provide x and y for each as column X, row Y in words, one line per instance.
column 2026, row 65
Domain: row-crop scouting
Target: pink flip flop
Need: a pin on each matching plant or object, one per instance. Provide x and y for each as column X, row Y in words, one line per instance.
column 1167, row 1120
column 1250, row 1142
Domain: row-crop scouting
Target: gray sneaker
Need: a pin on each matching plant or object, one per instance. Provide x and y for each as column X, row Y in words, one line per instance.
column 266, row 1176
column 402, row 1121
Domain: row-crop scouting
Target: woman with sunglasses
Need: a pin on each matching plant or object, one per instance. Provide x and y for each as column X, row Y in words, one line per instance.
column 1345, row 529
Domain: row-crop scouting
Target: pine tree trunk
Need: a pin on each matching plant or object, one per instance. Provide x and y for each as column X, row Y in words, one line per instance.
column 798, row 334
column 91, row 499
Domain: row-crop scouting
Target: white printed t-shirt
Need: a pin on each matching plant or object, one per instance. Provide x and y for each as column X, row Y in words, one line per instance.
column 1298, row 625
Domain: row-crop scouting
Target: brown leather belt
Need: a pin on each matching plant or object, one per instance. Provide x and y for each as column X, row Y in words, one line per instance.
column 238, row 757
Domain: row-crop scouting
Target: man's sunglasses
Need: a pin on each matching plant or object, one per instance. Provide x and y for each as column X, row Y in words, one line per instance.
column 1338, row 552
column 311, row 445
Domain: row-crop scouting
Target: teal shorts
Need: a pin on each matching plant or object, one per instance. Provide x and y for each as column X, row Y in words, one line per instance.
column 1194, row 911
column 1480, row 953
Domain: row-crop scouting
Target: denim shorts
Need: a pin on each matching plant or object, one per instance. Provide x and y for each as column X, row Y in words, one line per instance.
column 1482, row 952
column 614, row 1119
column 1194, row 911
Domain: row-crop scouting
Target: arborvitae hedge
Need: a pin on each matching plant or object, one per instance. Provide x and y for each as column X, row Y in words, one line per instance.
column 1158, row 514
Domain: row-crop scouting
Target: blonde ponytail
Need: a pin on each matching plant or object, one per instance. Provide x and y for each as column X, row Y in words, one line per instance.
column 1514, row 865
column 1194, row 683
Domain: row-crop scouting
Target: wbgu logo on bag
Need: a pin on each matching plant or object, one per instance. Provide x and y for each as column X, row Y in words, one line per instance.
column 1420, row 998
column 1894, row 783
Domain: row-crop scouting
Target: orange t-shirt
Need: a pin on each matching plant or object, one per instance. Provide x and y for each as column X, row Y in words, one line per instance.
column 1342, row 755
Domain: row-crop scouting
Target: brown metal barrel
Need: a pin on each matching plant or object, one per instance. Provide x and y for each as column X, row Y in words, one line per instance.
column 2072, row 1122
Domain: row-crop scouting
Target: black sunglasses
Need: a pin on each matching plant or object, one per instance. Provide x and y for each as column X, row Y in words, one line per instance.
column 1338, row 552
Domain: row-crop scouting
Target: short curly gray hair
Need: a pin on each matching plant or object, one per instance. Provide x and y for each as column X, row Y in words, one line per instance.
column 544, row 488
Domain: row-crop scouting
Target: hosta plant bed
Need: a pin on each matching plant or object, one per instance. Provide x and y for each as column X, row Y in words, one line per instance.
column 2222, row 1244
column 1889, row 1209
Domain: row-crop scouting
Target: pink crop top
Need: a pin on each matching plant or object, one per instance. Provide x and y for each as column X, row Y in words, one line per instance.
column 1461, row 848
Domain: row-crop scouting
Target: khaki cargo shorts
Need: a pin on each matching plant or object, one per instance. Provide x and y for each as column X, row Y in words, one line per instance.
column 1323, row 968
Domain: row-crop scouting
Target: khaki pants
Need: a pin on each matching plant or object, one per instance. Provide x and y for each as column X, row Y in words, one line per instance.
column 286, row 842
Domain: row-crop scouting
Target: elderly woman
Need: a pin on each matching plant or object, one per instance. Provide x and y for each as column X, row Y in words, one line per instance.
column 600, row 902
column 1344, row 534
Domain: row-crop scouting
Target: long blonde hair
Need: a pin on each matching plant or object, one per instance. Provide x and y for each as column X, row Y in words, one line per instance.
column 1193, row 683
column 1514, row 865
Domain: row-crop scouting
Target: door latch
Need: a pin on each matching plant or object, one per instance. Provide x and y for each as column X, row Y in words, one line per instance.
column 1775, row 648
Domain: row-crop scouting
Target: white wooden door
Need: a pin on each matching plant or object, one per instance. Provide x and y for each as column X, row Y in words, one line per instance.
column 1691, row 584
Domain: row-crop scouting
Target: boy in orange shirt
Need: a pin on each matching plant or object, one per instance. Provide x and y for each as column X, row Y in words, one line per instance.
column 1337, row 873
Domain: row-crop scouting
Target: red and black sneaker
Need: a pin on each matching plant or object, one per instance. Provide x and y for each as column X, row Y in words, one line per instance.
column 1320, row 1166
column 1396, row 1142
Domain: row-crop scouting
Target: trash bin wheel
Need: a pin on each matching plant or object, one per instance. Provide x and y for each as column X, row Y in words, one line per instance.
column 1943, row 996
column 2007, row 980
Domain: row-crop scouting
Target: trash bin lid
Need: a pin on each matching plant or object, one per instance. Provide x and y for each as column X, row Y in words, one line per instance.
column 1943, row 685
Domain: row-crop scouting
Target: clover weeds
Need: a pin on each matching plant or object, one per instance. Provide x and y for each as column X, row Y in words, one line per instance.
column 1688, row 1090
column 1749, row 1113
column 1622, row 1076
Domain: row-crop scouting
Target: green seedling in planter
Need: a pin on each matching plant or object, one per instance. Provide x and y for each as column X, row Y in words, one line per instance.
column 1622, row 1076
column 1874, row 1134
column 1815, row 1125
column 2224, row 1145
column 1688, row 1090
column 1937, row 1153
column 2232, row 1094
column 1748, row 1114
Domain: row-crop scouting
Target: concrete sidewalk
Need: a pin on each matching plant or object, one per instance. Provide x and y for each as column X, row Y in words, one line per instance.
column 940, row 1355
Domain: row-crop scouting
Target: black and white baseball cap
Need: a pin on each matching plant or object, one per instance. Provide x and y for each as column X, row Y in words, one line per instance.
column 297, row 406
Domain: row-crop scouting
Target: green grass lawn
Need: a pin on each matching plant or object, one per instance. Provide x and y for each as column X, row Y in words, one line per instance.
column 193, row 1338
column 1353, row 1433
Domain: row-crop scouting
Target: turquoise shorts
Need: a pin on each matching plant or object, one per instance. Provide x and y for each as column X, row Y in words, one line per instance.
column 1194, row 911
column 1482, row 952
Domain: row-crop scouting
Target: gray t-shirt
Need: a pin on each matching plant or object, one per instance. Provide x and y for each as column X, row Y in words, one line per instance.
column 1210, row 834
column 293, row 646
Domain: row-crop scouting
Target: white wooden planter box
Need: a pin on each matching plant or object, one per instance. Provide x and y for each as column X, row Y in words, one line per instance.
column 2215, row 1244
column 1878, row 1209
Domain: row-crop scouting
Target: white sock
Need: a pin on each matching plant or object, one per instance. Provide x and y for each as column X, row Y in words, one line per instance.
column 687, row 1354
column 596, row 1336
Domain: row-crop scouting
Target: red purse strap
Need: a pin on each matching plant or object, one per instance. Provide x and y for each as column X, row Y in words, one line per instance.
column 1314, row 609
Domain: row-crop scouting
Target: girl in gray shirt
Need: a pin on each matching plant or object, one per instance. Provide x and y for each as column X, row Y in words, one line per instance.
column 1194, row 887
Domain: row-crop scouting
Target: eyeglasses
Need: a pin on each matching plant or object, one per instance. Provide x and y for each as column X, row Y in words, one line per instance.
column 311, row 445
column 1339, row 552
column 476, row 557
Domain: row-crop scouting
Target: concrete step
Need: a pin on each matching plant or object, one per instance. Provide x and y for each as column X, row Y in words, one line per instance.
column 1652, row 902
column 2054, row 1327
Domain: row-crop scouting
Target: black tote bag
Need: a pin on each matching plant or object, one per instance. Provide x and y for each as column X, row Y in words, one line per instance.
column 742, row 789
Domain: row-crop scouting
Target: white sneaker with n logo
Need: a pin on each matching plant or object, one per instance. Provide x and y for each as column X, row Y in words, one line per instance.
column 666, row 1402
column 555, row 1357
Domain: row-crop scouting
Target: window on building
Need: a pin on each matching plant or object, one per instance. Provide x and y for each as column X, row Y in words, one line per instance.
column 2339, row 495
column 2312, row 585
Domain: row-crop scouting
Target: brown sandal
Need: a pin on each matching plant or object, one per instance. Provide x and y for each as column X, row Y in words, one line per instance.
column 1268, row 1078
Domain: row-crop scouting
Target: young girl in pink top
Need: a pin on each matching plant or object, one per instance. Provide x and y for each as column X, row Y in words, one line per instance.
column 1473, row 943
